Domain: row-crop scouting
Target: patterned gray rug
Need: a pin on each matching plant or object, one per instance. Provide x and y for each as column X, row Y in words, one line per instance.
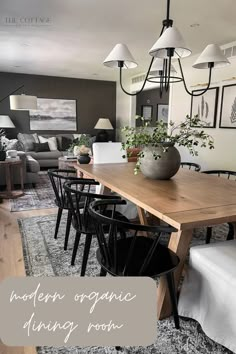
column 45, row 256
column 39, row 197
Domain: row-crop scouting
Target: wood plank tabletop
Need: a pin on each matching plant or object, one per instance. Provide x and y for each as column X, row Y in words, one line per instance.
column 187, row 200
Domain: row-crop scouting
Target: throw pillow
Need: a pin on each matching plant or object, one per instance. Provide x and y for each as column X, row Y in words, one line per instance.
column 41, row 147
column 52, row 142
column 27, row 140
column 65, row 143
column 13, row 144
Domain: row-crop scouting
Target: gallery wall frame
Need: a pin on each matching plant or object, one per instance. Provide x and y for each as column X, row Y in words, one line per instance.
column 162, row 112
column 228, row 107
column 205, row 106
column 54, row 114
column 147, row 112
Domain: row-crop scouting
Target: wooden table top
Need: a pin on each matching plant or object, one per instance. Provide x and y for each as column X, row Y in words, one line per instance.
column 11, row 162
column 190, row 199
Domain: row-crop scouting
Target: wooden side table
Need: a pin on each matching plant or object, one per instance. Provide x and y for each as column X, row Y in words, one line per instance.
column 10, row 165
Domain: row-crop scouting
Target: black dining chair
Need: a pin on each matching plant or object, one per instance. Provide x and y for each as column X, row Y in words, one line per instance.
column 228, row 175
column 125, row 251
column 81, row 219
column 58, row 177
column 191, row 166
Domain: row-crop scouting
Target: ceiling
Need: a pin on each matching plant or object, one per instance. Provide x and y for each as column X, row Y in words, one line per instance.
column 71, row 38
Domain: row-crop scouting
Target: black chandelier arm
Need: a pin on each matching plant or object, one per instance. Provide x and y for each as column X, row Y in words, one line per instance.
column 203, row 90
column 144, row 83
column 146, row 77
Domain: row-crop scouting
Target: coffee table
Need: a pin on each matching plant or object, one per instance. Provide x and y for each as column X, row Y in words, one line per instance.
column 65, row 164
column 10, row 166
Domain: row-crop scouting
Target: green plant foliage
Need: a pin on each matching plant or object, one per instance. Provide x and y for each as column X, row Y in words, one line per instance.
column 182, row 134
column 82, row 140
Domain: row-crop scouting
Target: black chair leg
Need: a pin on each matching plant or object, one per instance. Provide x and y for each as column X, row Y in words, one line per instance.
column 208, row 235
column 59, row 213
column 103, row 273
column 76, row 245
column 230, row 235
column 68, row 224
column 171, row 286
column 86, row 253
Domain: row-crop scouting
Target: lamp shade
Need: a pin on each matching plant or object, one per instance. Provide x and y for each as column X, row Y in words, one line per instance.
column 170, row 38
column 120, row 53
column 23, row 102
column 6, row 122
column 158, row 66
column 104, row 123
column 211, row 54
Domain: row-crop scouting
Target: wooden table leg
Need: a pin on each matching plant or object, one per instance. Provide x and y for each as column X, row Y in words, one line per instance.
column 8, row 179
column 179, row 243
column 21, row 178
column 142, row 216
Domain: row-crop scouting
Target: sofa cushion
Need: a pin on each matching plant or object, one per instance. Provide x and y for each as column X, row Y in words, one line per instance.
column 65, row 143
column 46, row 155
column 13, row 144
column 27, row 140
column 64, row 140
column 52, row 142
column 32, row 165
column 40, row 147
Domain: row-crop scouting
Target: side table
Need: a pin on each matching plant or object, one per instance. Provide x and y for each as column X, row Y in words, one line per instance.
column 9, row 166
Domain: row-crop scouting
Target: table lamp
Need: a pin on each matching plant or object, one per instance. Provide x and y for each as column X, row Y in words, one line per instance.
column 6, row 122
column 103, row 124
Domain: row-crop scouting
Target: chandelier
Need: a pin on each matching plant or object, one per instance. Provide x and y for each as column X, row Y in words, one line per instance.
column 169, row 46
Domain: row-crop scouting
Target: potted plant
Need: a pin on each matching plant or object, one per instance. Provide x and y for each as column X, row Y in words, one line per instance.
column 2, row 146
column 158, row 157
column 81, row 149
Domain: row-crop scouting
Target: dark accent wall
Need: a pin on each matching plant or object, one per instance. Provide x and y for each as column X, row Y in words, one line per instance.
column 95, row 99
column 151, row 98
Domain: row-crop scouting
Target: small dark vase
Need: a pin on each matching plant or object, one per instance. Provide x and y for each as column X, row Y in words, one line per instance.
column 84, row 158
column 3, row 155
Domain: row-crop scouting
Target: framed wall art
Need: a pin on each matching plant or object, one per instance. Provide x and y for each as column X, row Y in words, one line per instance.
column 228, row 107
column 205, row 106
column 162, row 112
column 146, row 112
column 54, row 114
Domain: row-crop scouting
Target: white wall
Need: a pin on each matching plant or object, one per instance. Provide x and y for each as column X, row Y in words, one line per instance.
column 123, row 111
column 224, row 154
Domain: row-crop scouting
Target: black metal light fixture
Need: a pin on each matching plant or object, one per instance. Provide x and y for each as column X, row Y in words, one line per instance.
column 170, row 45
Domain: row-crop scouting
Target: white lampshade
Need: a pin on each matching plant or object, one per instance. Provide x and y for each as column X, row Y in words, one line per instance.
column 104, row 123
column 170, row 38
column 120, row 53
column 211, row 54
column 23, row 102
column 158, row 66
column 6, row 122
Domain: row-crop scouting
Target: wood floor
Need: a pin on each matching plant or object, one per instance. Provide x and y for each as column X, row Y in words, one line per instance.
column 11, row 256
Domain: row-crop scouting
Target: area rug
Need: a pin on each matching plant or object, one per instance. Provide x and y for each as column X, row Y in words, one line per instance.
column 40, row 196
column 45, row 256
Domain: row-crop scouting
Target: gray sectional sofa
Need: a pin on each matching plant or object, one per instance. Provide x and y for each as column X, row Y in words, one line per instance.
column 46, row 158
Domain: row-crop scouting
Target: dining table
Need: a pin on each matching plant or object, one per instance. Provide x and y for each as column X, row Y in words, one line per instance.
column 187, row 201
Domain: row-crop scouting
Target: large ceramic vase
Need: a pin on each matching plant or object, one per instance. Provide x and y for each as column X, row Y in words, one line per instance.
column 3, row 155
column 164, row 167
